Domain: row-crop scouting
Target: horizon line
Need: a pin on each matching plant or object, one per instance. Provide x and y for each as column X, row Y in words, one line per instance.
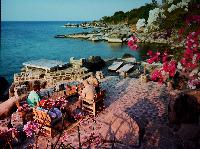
column 41, row 20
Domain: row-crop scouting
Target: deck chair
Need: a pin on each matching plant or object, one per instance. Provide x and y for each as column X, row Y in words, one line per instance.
column 115, row 66
column 95, row 105
column 45, row 122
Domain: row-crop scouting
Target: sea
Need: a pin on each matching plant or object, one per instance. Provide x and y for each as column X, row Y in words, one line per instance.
column 24, row 41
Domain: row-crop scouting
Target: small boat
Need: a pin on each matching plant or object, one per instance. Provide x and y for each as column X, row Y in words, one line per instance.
column 59, row 36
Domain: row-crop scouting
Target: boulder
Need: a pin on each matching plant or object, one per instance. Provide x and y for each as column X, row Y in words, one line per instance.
column 189, row 132
column 4, row 89
column 127, row 55
column 185, row 108
column 7, row 107
column 95, row 63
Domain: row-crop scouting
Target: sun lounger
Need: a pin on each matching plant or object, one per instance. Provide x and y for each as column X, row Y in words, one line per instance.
column 125, row 68
column 115, row 66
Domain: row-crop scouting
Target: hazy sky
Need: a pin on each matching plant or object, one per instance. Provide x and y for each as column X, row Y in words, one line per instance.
column 63, row 10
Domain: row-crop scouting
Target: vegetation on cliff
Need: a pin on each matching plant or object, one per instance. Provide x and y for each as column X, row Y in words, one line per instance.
column 132, row 16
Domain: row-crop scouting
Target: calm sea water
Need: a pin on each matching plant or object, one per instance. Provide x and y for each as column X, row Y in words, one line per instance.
column 24, row 41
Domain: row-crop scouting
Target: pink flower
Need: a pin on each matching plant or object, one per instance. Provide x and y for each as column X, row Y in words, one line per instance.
column 64, row 138
column 170, row 67
column 165, row 57
column 30, row 128
column 132, row 43
column 150, row 61
column 150, row 53
column 157, row 75
column 154, row 57
column 134, row 47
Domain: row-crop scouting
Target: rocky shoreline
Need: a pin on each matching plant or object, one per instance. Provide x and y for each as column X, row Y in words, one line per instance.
column 121, row 33
column 110, row 33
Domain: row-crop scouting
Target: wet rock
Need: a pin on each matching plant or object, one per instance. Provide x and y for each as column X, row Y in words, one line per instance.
column 127, row 55
column 95, row 63
column 8, row 107
column 189, row 132
column 185, row 108
column 4, row 89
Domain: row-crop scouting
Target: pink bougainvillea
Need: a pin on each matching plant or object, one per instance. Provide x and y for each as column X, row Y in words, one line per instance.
column 189, row 61
column 192, row 18
column 156, row 75
column 170, row 67
column 154, row 57
column 132, row 43
column 191, row 55
column 30, row 128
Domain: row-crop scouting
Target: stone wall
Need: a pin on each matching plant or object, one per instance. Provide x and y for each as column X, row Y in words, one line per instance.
column 52, row 78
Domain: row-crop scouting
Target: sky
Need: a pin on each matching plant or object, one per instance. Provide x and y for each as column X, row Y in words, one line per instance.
column 64, row 10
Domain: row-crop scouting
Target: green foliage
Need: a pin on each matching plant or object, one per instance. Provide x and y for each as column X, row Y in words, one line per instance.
column 176, row 19
column 130, row 17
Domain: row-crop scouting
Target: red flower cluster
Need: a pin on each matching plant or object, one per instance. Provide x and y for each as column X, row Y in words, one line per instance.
column 192, row 18
column 154, row 57
column 190, row 59
column 170, row 67
column 30, row 128
column 132, row 43
column 156, row 75
column 168, row 70
column 191, row 56
column 50, row 103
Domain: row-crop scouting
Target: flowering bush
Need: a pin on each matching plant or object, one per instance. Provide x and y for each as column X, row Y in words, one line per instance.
column 184, row 61
column 30, row 128
column 50, row 103
column 182, row 4
column 172, row 8
column 140, row 23
column 189, row 63
column 132, row 42
column 155, row 16
column 167, row 70
column 154, row 57
column 170, row 1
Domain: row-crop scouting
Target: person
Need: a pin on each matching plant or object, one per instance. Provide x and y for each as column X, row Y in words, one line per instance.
column 33, row 97
column 93, row 81
column 88, row 92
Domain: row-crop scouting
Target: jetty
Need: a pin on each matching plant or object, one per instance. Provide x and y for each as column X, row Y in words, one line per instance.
column 51, row 71
column 109, row 33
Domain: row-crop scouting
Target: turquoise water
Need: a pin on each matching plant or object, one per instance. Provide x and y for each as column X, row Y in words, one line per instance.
column 24, row 41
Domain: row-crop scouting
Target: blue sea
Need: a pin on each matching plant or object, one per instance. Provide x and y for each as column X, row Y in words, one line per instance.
column 24, row 41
